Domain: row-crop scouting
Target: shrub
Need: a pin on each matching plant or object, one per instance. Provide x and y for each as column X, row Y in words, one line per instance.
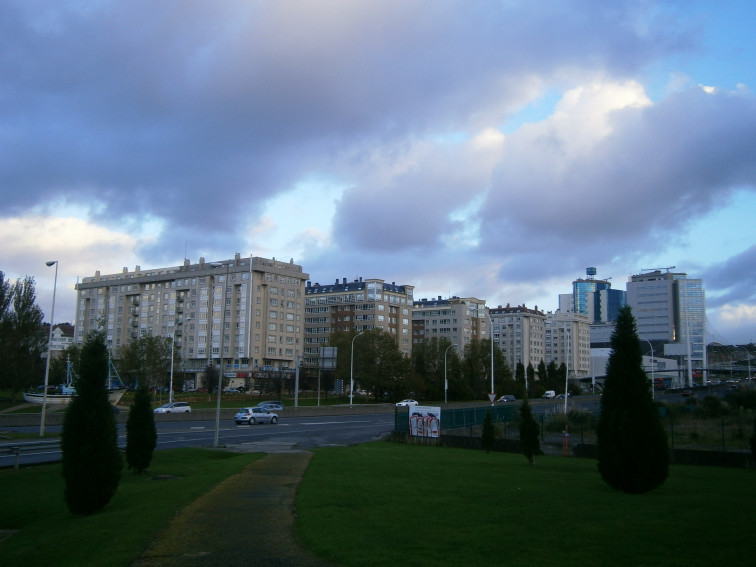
column 529, row 442
column 631, row 443
column 91, row 463
column 489, row 433
column 141, row 435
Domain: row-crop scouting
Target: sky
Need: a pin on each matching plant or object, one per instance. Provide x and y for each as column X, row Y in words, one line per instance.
column 488, row 149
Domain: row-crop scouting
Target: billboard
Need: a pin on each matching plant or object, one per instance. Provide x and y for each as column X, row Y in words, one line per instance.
column 425, row 421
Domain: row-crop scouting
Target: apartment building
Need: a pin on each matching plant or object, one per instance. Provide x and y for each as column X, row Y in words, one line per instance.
column 457, row 319
column 356, row 305
column 243, row 314
column 568, row 341
column 520, row 334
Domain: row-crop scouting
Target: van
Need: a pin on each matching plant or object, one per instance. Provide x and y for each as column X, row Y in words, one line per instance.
column 549, row 394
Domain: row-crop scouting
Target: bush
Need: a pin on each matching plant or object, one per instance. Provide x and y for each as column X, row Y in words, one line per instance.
column 529, row 442
column 489, row 433
column 631, row 443
column 91, row 463
column 141, row 435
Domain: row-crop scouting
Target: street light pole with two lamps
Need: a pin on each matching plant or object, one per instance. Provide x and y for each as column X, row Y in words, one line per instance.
column 49, row 350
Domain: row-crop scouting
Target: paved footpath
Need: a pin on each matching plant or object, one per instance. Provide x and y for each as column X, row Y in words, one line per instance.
column 248, row 519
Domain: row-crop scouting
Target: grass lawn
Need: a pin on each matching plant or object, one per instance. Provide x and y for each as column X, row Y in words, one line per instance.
column 32, row 503
column 390, row 504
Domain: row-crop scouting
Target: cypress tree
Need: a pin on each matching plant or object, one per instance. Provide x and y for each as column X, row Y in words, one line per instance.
column 91, row 462
column 489, row 434
column 632, row 445
column 141, row 435
column 530, row 445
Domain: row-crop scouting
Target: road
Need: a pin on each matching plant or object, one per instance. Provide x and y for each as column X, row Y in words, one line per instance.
column 298, row 432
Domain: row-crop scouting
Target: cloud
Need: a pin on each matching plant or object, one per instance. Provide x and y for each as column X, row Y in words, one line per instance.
column 364, row 138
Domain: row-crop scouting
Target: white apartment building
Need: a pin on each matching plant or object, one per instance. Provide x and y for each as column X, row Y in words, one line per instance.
column 460, row 320
column 568, row 341
column 243, row 314
column 520, row 334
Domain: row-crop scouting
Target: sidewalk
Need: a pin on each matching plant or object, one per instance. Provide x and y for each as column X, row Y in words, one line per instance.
column 248, row 519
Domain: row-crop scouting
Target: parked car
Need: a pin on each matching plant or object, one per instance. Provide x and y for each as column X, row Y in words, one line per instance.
column 272, row 406
column 231, row 390
column 508, row 398
column 406, row 403
column 174, row 407
column 255, row 415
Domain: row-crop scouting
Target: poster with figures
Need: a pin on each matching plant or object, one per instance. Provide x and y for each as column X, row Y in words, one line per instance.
column 425, row 421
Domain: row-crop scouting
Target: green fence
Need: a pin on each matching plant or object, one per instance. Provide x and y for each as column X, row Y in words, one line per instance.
column 459, row 417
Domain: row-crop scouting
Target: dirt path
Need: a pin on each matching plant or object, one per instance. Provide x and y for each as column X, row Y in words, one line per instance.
column 248, row 519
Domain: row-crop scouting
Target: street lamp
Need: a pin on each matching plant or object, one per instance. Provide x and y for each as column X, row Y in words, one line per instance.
column 351, row 371
column 173, row 343
column 220, row 354
column 49, row 349
column 446, row 382
column 748, row 354
column 490, row 334
column 653, row 383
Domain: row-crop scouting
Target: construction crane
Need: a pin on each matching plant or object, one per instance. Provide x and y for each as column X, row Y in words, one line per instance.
column 668, row 268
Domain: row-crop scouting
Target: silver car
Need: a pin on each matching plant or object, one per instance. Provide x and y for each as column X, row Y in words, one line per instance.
column 175, row 407
column 255, row 415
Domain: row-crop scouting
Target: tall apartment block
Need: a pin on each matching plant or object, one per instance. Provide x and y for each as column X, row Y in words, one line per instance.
column 242, row 314
column 357, row 305
column 670, row 310
column 568, row 341
column 457, row 319
column 520, row 333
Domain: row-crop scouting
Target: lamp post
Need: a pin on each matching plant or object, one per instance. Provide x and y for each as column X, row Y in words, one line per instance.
column 351, row 371
column 49, row 350
column 490, row 333
column 446, row 382
column 653, row 383
column 173, row 346
column 220, row 355
column 748, row 354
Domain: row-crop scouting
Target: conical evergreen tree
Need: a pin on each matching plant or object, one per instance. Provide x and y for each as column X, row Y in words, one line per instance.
column 632, row 444
column 489, row 433
column 530, row 445
column 141, row 435
column 91, row 462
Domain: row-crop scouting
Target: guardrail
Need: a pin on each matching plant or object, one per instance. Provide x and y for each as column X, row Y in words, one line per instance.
column 29, row 447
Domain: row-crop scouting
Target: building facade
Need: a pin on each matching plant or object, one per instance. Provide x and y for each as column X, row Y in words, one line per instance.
column 357, row 305
column 670, row 311
column 460, row 320
column 568, row 341
column 520, row 333
column 242, row 314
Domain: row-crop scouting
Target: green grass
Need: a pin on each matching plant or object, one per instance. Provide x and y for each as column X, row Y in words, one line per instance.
column 388, row 504
column 48, row 534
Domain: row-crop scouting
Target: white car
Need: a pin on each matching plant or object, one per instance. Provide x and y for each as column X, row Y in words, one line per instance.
column 406, row 403
column 174, row 407
column 255, row 415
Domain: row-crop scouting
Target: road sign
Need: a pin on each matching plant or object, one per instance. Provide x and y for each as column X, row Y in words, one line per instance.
column 492, row 397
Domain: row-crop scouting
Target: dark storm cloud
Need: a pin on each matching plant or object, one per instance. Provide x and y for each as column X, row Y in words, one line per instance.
column 196, row 111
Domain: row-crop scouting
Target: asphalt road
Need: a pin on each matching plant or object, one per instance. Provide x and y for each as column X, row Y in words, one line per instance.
column 300, row 432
